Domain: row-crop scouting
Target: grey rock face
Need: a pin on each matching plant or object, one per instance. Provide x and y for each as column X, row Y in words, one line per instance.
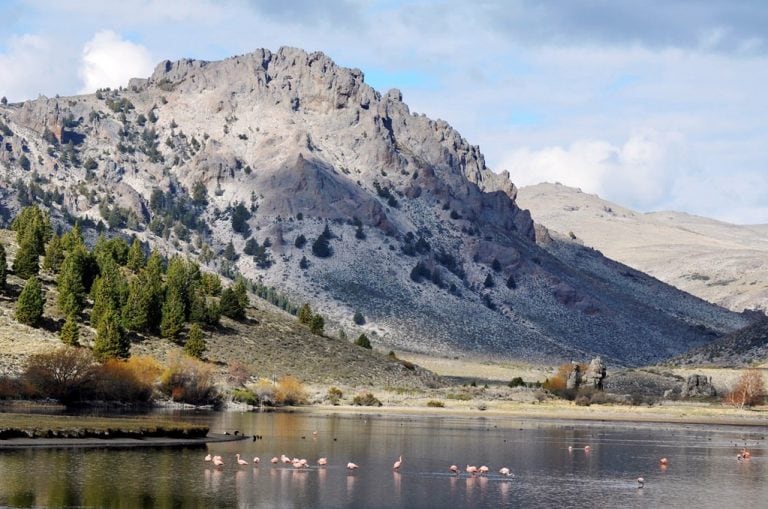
column 302, row 143
column 596, row 373
column 697, row 386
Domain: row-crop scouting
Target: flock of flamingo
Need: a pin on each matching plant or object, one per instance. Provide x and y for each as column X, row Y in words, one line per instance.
column 471, row 470
column 300, row 463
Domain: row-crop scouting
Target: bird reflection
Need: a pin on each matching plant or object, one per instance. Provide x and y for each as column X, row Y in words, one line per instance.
column 350, row 485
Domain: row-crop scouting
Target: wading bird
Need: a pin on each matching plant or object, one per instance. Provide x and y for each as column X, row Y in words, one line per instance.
column 217, row 461
column 352, row 466
column 454, row 469
column 505, row 471
column 208, row 457
column 397, row 464
column 240, row 461
column 322, row 462
column 640, row 482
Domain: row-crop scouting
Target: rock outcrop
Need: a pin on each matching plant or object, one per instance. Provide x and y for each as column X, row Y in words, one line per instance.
column 698, row 386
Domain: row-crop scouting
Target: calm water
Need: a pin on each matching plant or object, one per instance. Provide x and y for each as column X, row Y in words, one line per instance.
column 703, row 470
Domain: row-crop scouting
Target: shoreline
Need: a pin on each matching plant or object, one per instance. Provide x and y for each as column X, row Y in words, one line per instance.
column 561, row 413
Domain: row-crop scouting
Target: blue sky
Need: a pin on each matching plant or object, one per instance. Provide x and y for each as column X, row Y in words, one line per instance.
column 654, row 105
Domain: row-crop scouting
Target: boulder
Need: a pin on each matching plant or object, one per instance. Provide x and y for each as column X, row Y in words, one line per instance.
column 595, row 373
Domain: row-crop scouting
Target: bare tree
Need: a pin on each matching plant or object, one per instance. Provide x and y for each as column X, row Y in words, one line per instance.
column 748, row 391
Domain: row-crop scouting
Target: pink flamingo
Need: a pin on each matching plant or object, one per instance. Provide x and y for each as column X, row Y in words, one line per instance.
column 587, row 448
column 454, row 469
column 397, row 464
column 352, row 466
column 285, row 459
column 640, row 482
column 217, row 461
column 274, row 460
column 322, row 462
column 483, row 470
column 471, row 470
column 240, row 461
column 208, row 457
column 505, row 471
column 297, row 463
column 664, row 461
column 257, row 460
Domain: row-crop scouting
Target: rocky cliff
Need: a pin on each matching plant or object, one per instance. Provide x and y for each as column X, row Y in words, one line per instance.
column 270, row 150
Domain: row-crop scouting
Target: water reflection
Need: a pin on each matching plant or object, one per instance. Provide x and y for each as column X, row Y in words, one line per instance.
column 703, row 471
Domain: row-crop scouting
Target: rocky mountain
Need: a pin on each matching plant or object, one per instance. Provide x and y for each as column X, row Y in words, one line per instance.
column 723, row 263
column 342, row 197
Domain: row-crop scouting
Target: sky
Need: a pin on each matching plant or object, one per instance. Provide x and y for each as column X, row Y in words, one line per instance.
column 655, row 105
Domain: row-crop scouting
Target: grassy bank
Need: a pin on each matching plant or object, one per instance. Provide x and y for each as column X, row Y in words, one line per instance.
column 62, row 426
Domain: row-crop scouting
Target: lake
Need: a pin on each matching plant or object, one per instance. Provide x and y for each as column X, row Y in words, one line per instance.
column 703, row 470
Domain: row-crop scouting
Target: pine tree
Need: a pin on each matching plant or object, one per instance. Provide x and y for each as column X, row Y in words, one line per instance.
column 73, row 239
column 195, row 345
column 3, row 267
column 136, row 258
column 54, row 255
column 172, row 322
column 488, row 283
column 32, row 224
column 70, row 332
column 29, row 308
column 321, row 248
column 108, row 292
column 27, row 261
column 230, row 306
column 305, row 314
column 317, row 324
column 251, row 245
column 230, row 253
column 111, row 341
column 70, row 282
column 241, row 292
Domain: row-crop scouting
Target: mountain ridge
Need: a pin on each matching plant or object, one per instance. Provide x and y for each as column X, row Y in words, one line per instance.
column 425, row 240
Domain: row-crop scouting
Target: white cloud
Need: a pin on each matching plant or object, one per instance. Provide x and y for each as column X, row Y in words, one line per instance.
column 642, row 172
column 109, row 61
column 31, row 66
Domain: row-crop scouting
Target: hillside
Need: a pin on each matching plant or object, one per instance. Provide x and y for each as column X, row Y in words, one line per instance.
column 269, row 150
column 745, row 347
column 270, row 343
column 722, row 263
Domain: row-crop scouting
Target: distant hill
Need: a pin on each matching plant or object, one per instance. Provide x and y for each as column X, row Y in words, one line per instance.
column 723, row 263
column 746, row 347
column 291, row 170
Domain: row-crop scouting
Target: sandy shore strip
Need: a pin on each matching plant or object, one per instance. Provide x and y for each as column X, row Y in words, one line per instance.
column 661, row 415
column 27, row 443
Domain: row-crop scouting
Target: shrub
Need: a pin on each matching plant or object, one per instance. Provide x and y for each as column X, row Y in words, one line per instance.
column 67, row 374
column 363, row 341
column 334, row 395
column 358, row 318
column 516, row 382
column 748, row 391
column 244, row 396
column 366, row 399
column 433, row 403
column 290, row 391
column 127, row 380
column 300, row 241
column 583, row 400
column 459, row 396
column 188, row 380
column 265, row 391
column 237, row 373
